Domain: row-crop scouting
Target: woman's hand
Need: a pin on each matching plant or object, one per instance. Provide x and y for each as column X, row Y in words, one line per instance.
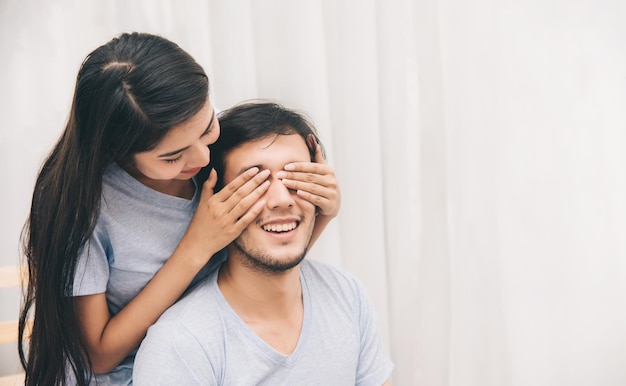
column 314, row 181
column 221, row 217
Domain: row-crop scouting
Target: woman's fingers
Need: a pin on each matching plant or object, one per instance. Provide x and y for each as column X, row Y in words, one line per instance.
column 315, row 182
column 250, row 214
column 242, row 186
column 222, row 216
column 243, row 203
column 209, row 185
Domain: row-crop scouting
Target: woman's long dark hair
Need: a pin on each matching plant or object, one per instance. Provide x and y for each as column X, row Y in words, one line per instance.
column 129, row 93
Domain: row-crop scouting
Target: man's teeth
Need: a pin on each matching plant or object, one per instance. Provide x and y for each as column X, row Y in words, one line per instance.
column 279, row 227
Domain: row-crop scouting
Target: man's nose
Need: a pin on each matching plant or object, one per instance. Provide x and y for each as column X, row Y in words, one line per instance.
column 278, row 196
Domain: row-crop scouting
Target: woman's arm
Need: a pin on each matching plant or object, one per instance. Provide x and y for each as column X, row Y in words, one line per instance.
column 218, row 220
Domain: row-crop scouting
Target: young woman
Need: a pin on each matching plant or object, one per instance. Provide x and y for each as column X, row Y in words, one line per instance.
column 118, row 227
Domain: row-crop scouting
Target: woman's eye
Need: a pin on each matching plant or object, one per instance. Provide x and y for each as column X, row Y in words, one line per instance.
column 171, row 161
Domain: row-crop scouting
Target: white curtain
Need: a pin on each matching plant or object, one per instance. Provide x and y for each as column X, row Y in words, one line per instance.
column 479, row 146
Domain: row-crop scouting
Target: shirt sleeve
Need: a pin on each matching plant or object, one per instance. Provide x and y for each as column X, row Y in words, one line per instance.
column 170, row 355
column 375, row 366
column 92, row 271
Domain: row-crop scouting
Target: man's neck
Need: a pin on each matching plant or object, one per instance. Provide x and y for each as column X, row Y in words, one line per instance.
column 258, row 293
column 270, row 304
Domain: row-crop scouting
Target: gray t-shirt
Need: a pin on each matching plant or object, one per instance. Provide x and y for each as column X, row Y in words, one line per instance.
column 202, row 341
column 136, row 232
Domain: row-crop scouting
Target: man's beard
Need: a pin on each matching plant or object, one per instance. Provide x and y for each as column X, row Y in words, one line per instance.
column 264, row 263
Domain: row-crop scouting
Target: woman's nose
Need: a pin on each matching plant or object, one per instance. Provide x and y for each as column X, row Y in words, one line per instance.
column 200, row 155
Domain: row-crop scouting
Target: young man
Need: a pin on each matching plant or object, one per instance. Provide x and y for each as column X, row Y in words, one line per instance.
column 267, row 317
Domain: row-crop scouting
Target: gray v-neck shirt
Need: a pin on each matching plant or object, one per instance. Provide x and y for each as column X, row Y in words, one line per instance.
column 202, row 341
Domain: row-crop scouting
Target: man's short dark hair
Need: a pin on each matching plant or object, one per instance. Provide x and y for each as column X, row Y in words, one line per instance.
column 255, row 120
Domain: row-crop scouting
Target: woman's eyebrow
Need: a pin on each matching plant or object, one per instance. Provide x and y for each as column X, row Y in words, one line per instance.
column 171, row 153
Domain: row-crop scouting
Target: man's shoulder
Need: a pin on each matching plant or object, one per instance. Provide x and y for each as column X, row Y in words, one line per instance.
column 322, row 269
column 319, row 274
column 186, row 342
column 176, row 347
column 197, row 309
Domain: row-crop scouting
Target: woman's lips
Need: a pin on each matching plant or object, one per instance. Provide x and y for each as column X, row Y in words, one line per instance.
column 191, row 171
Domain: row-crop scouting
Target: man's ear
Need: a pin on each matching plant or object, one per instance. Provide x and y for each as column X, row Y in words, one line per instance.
column 311, row 144
column 315, row 146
